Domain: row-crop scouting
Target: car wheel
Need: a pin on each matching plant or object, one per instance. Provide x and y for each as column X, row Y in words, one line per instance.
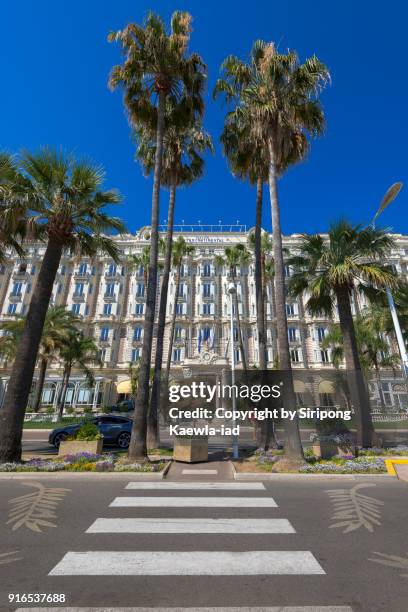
column 123, row 440
column 58, row 439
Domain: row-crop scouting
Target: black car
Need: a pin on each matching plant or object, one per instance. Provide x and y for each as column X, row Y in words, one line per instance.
column 115, row 430
column 123, row 406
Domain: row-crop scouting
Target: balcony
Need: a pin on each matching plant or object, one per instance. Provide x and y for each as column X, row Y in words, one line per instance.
column 109, row 297
column 21, row 274
column 78, row 297
column 82, row 276
column 15, row 297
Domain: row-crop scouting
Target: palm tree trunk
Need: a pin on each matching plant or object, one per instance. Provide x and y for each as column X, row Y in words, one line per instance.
column 61, row 390
column 154, row 414
column 239, row 329
column 380, row 391
column 293, row 445
column 40, row 384
column 138, row 446
column 260, row 304
column 172, row 326
column 355, row 376
column 67, row 374
column 19, row 386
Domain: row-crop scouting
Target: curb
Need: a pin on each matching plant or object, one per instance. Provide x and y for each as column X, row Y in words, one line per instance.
column 258, row 476
column 86, row 475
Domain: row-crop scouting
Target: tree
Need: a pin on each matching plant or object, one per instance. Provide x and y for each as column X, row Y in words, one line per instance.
column 65, row 204
column 181, row 250
column 329, row 270
column 235, row 256
column 279, row 96
column 13, row 205
column 183, row 145
column 156, row 66
column 81, row 352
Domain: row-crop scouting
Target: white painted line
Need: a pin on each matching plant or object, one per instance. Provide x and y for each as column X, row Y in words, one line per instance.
column 176, row 563
column 243, row 609
column 200, row 472
column 181, row 525
column 235, row 486
column 194, row 502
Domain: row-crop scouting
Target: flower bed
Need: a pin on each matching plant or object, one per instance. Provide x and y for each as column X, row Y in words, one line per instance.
column 82, row 462
column 346, row 465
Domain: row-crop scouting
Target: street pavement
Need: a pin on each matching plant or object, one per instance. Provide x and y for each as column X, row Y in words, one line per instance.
column 202, row 541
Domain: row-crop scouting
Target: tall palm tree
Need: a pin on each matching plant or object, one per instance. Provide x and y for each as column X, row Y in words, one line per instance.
column 184, row 143
column 156, row 66
column 329, row 270
column 80, row 352
column 13, row 205
column 279, row 97
column 66, row 205
column 181, row 250
column 235, row 256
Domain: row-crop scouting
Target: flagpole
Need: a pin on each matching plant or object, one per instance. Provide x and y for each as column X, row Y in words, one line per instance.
column 231, row 291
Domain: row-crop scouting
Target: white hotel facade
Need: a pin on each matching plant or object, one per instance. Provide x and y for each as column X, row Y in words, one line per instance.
column 109, row 299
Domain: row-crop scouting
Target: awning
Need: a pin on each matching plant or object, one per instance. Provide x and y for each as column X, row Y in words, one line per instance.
column 326, row 386
column 124, row 386
column 299, row 386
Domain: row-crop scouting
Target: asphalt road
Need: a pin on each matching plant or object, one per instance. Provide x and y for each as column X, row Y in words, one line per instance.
column 234, row 546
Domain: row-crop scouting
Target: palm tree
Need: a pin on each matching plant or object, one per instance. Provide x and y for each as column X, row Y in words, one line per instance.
column 329, row 269
column 278, row 96
column 181, row 250
column 235, row 256
column 65, row 204
column 156, row 66
column 13, row 205
column 81, row 352
column 184, row 142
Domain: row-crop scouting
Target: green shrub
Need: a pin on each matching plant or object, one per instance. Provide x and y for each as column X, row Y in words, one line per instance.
column 105, row 410
column 50, row 410
column 88, row 432
column 87, row 410
column 69, row 410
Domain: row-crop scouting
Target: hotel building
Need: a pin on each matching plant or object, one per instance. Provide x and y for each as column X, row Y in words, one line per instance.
column 109, row 299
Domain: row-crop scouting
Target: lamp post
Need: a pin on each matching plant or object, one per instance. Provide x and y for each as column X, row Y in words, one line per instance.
column 389, row 196
column 232, row 291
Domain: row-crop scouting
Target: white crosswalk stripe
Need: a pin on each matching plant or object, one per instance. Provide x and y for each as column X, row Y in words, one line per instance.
column 193, row 502
column 175, row 563
column 179, row 563
column 177, row 525
column 200, row 472
column 205, row 486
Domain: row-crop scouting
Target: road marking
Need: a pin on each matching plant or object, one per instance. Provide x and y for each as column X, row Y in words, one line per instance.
column 181, row 525
column 243, row 609
column 244, row 486
column 194, row 502
column 201, row 472
column 177, row 563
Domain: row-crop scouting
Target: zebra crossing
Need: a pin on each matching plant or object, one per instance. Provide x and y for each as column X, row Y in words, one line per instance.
column 211, row 563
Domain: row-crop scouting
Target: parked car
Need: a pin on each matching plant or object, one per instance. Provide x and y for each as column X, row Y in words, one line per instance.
column 116, row 430
column 123, row 406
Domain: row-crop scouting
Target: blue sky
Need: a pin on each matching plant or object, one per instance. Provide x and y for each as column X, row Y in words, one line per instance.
column 55, row 62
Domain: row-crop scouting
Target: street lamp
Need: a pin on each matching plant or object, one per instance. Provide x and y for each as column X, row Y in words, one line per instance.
column 232, row 291
column 389, row 196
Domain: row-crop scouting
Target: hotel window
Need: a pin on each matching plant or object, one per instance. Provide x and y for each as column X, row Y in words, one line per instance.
column 76, row 309
column 292, row 334
column 139, row 309
column 22, row 268
column 32, row 270
column 17, row 289
column 104, row 337
column 287, row 271
column 112, row 270
column 90, row 289
column 321, row 332
column 107, row 309
column 12, row 309
column 206, row 269
column 235, row 334
column 79, row 289
column 237, row 356
column 324, row 356
column 110, row 289
column 294, row 356
column 206, row 290
column 206, row 309
column 135, row 354
column 102, row 354
column 82, row 269
column 180, row 290
column 137, row 333
column 179, row 309
column 140, row 289
column 290, row 310
column 177, row 354
column 87, row 310
column 177, row 333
